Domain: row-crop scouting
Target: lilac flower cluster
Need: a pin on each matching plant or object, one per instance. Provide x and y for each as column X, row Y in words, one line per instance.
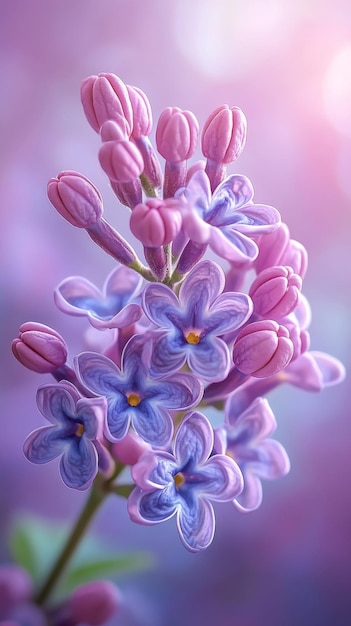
column 181, row 332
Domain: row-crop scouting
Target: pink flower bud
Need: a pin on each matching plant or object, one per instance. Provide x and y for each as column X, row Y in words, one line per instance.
column 142, row 115
column 94, row 603
column 129, row 450
column 15, row 586
column 276, row 292
column 262, row 349
column 156, row 222
column 105, row 97
column 121, row 161
column 76, row 198
column 224, row 134
column 176, row 134
column 40, row 348
column 113, row 130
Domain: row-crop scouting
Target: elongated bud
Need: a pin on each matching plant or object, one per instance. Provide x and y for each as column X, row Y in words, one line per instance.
column 262, row 349
column 121, row 161
column 276, row 292
column 142, row 115
column 76, row 198
column 40, row 348
column 113, row 130
column 105, row 97
column 176, row 134
column 156, row 222
column 94, row 603
column 224, row 134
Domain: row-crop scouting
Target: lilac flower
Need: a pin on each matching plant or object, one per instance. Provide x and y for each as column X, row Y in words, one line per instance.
column 257, row 456
column 134, row 397
column 228, row 220
column 75, row 434
column 191, row 325
column 184, row 483
column 111, row 308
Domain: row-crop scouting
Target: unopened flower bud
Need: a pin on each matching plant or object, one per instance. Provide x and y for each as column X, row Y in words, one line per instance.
column 105, row 97
column 275, row 292
column 15, row 586
column 129, row 450
column 142, row 115
column 40, row 348
column 176, row 134
column 121, row 161
column 113, row 130
column 94, row 603
column 76, row 198
column 262, row 349
column 224, row 134
column 156, row 222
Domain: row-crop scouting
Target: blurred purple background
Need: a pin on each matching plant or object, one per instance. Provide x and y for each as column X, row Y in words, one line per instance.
column 287, row 64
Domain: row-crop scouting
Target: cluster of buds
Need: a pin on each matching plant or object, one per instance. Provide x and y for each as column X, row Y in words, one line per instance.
column 180, row 332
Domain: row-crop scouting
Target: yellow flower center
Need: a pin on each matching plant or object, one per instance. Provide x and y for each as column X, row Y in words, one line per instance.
column 193, row 337
column 133, row 399
column 79, row 430
column 179, row 480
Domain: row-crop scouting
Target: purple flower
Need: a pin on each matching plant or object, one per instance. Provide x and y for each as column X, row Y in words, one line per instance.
column 257, row 456
column 184, row 483
column 228, row 220
column 75, row 434
column 111, row 308
column 134, row 397
column 191, row 325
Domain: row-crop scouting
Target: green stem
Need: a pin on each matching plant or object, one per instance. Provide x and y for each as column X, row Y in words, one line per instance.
column 97, row 494
column 147, row 186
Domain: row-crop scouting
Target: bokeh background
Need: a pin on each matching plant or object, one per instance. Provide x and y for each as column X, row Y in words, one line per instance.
column 287, row 64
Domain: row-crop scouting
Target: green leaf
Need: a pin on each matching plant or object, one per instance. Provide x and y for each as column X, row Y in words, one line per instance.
column 22, row 549
column 105, row 568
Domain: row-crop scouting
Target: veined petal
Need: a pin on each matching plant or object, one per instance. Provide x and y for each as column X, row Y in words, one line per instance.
column 229, row 311
column 152, row 507
column 210, row 359
column 154, row 471
column 258, row 219
column 130, row 314
column 161, row 305
column 194, row 440
column 233, row 193
column 153, row 423
column 79, row 464
column 201, row 287
column 44, row 445
column 168, row 354
column 77, row 295
column 270, row 461
column 180, row 391
column 125, row 282
column 196, row 524
column 232, row 245
column 58, row 402
column 221, row 478
column 98, row 373
column 256, row 422
column 92, row 413
column 119, row 416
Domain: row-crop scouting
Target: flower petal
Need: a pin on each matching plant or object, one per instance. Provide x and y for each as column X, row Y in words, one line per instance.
column 196, row 524
column 251, row 497
column 180, row 391
column 210, row 359
column 201, row 287
column 98, row 373
column 44, row 445
column 221, row 478
column 58, row 402
column 161, row 305
column 168, row 354
column 79, row 464
column 256, row 422
column 232, row 245
column 229, row 312
column 77, row 295
column 119, row 416
column 152, row 507
column 153, row 423
column 194, row 440
column 233, row 193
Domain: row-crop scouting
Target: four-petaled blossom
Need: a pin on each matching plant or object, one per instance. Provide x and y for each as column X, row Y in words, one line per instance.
column 134, row 397
column 190, row 326
column 184, row 483
column 75, row 434
column 227, row 220
column 111, row 308
column 248, row 443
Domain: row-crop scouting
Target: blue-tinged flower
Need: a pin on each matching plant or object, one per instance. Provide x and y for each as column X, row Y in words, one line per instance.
column 75, row 434
column 184, row 483
column 227, row 220
column 133, row 396
column 190, row 327
column 111, row 308
column 247, row 441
